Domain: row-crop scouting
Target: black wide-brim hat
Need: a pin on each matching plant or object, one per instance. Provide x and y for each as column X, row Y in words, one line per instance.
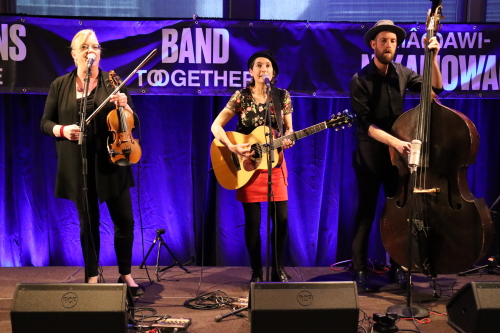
column 265, row 54
column 385, row 25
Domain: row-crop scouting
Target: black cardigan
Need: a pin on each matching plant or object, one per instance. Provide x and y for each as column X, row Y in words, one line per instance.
column 61, row 109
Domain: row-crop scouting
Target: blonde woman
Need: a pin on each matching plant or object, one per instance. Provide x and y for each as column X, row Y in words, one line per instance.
column 106, row 182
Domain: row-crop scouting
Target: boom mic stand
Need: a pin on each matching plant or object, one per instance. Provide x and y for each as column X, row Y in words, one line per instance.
column 176, row 262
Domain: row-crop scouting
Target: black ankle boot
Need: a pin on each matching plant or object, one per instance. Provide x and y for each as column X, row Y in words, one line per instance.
column 256, row 276
column 363, row 283
column 279, row 275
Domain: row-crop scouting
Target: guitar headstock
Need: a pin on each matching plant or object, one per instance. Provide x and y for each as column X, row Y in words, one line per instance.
column 340, row 120
column 435, row 15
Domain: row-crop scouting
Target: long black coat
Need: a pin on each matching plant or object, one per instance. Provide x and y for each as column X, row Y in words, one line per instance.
column 61, row 109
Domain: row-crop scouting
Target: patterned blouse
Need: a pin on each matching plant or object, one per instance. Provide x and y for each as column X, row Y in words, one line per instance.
column 252, row 114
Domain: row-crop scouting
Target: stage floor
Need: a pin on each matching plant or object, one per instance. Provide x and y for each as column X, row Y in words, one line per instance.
column 167, row 296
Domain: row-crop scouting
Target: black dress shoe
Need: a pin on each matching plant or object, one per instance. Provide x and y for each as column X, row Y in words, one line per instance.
column 134, row 291
column 363, row 283
column 256, row 276
column 398, row 275
column 279, row 275
column 137, row 291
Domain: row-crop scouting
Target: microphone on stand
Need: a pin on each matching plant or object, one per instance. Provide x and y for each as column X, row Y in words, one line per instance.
column 90, row 59
column 414, row 157
column 267, row 82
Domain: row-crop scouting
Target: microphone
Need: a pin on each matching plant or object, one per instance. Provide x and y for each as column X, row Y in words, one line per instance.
column 90, row 59
column 414, row 157
column 266, row 80
column 160, row 231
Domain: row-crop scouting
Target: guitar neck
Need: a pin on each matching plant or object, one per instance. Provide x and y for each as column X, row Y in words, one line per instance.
column 300, row 134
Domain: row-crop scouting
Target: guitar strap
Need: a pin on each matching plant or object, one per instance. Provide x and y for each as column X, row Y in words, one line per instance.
column 276, row 97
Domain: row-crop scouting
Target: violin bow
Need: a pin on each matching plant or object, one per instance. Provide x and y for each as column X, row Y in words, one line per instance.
column 117, row 89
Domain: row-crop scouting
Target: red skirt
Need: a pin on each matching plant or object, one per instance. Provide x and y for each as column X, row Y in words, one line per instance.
column 256, row 189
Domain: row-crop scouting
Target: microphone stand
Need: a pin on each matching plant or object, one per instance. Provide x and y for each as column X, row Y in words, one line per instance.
column 82, row 142
column 270, row 161
column 409, row 311
column 158, row 239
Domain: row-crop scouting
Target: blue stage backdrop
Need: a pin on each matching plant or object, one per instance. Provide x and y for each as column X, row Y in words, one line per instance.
column 177, row 95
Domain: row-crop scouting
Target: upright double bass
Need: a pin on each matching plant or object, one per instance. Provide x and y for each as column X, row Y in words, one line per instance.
column 434, row 223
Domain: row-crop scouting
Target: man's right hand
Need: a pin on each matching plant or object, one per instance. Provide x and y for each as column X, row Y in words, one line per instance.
column 403, row 147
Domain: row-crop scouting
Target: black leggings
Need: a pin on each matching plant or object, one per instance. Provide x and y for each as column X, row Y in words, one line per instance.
column 279, row 216
column 120, row 210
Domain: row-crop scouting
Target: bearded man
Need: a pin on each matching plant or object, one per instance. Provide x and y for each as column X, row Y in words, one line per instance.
column 377, row 96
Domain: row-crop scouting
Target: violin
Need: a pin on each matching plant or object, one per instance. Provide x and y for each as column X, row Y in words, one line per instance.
column 123, row 149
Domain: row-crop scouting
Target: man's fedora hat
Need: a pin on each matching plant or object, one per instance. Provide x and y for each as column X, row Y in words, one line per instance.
column 385, row 25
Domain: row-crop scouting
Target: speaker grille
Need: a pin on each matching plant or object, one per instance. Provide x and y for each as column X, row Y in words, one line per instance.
column 66, row 307
column 475, row 308
column 297, row 307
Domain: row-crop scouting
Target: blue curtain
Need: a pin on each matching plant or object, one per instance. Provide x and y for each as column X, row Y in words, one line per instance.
column 177, row 191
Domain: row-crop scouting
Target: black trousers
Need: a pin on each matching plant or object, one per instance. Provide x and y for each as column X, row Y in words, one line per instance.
column 120, row 210
column 279, row 232
column 373, row 168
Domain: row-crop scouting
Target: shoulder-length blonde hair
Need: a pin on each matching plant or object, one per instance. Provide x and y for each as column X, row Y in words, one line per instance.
column 80, row 37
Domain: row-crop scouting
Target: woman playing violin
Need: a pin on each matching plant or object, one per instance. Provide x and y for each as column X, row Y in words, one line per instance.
column 106, row 182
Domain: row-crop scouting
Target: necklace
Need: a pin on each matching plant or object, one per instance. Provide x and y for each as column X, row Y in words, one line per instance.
column 80, row 90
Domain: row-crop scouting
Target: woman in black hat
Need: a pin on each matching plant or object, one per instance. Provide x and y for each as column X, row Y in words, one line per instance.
column 250, row 104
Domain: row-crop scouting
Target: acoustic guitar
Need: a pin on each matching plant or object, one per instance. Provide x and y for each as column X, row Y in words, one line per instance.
column 234, row 171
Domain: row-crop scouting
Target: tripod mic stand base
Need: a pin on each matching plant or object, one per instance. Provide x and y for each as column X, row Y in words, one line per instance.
column 492, row 268
column 403, row 311
column 235, row 312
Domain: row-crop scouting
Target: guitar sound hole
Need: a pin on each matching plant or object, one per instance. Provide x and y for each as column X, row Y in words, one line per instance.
column 257, row 151
column 251, row 164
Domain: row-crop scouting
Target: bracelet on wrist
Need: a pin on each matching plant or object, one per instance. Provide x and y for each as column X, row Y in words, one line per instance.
column 61, row 131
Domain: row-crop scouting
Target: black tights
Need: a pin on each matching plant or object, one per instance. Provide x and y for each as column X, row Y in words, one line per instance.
column 279, row 216
column 120, row 210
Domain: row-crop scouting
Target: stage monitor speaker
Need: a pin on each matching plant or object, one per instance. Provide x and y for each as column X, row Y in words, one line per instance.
column 475, row 308
column 298, row 307
column 70, row 307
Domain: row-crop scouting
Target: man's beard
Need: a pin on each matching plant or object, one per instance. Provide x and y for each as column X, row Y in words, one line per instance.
column 384, row 58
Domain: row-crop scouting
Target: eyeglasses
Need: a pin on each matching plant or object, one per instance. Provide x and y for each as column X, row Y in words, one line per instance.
column 85, row 47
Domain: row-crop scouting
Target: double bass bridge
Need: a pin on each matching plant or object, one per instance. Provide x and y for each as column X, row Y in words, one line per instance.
column 426, row 191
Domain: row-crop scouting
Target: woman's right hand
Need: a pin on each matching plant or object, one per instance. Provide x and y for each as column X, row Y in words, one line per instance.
column 242, row 149
column 71, row 132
